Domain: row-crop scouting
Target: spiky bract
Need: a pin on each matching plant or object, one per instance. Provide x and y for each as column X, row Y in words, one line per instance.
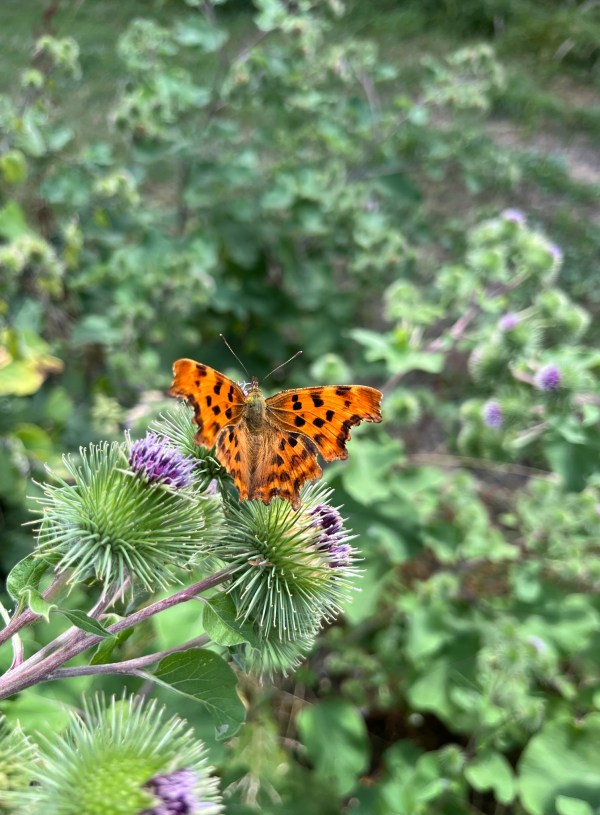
column 177, row 427
column 283, row 581
column 107, row 763
column 18, row 758
column 111, row 522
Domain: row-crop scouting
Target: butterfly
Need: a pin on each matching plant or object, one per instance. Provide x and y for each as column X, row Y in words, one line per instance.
column 270, row 446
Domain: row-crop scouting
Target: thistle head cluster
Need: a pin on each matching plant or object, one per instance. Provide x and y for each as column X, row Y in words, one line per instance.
column 292, row 571
column 146, row 521
column 125, row 758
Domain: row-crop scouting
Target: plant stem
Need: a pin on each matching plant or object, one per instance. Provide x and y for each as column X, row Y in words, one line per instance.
column 26, row 617
column 31, row 673
column 128, row 666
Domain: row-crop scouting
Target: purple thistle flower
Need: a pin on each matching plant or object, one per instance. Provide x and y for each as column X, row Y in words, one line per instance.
column 333, row 538
column 158, row 462
column 548, row 378
column 515, row 216
column 491, row 414
column 175, row 793
column 555, row 251
column 508, row 321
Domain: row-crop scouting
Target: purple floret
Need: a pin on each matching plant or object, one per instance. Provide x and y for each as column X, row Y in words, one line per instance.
column 333, row 537
column 175, row 793
column 548, row 378
column 492, row 414
column 159, row 462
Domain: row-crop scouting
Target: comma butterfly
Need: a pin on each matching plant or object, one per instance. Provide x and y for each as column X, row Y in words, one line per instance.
column 270, row 446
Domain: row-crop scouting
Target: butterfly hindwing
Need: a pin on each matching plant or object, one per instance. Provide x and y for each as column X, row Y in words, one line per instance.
column 325, row 414
column 215, row 399
column 235, row 451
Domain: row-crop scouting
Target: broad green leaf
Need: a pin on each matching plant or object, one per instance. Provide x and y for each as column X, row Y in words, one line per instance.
column 13, row 223
column 565, row 805
column 25, row 574
column 84, row 622
column 559, row 760
column 335, row 736
column 206, row 678
column 367, row 475
column 491, row 771
column 221, row 625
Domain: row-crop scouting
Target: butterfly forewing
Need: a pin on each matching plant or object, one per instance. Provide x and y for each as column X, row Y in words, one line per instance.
column 325, row 414
column 215, row 399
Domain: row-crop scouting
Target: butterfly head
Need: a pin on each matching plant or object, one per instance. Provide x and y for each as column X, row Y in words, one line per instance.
column 249, row 387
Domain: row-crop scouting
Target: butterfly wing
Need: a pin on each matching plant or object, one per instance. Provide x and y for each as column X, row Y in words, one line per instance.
column 269, row 464
column 216, row 400
column 325, row 414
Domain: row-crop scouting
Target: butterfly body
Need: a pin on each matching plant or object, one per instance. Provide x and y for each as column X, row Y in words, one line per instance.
column 270, row 446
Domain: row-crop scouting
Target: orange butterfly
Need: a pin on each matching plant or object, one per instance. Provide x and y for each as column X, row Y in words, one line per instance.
column 270, row 446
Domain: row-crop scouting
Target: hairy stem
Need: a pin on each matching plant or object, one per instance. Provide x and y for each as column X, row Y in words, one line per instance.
column 26, row 617
column 128, row 666
column 29, row 674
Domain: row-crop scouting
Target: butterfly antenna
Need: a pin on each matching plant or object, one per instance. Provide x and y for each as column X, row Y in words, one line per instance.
column 297, row 354
column 234, row 354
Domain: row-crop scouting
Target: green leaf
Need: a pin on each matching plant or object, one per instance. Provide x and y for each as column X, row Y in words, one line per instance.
column 220, row 623
column 105, row 649
column 367, row 473
column 36, row 603
column 206, row 678
column 491, row 771
column 565, row 805
column 26, row 574
column 13, row 167
column 13, row 223
column 561, row 760
column 84, row 622
column 335, row 736
column 196, row 31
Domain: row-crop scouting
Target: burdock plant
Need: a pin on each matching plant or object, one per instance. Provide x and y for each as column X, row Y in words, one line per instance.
column 136, row 519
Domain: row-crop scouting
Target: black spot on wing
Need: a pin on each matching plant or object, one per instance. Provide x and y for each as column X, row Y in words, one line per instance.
column 299, row 421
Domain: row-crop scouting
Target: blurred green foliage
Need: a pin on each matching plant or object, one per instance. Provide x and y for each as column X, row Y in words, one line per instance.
column 271, row 173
